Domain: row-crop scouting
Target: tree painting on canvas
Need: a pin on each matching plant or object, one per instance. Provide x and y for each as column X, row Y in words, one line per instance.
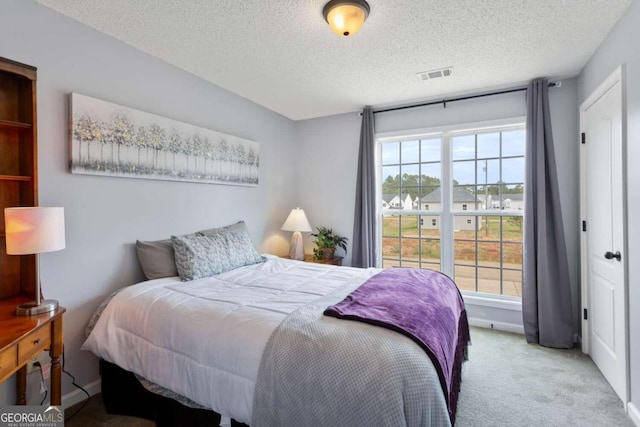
column 108, row 139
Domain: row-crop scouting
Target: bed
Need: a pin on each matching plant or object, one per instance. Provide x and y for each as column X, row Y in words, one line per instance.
column 253, row 344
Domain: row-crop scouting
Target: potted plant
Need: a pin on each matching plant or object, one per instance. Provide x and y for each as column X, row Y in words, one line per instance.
column 327, row 242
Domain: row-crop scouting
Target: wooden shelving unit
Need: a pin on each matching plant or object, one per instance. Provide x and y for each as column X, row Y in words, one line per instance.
column 16, row 126
column 18, row 167
column 15, row 178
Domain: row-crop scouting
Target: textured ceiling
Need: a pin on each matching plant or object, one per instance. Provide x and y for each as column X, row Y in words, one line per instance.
column 281, row 53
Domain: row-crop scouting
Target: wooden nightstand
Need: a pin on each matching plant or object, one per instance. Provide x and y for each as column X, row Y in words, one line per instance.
column 309, row 258
column 335, row 261
column 23, row 337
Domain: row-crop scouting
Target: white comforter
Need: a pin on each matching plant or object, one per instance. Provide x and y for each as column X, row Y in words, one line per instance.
column 204, row 339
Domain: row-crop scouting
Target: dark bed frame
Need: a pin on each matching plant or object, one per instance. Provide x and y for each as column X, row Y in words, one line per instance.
column 123, row 394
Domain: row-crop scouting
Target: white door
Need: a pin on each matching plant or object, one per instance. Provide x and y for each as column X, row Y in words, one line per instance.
column 604, row 241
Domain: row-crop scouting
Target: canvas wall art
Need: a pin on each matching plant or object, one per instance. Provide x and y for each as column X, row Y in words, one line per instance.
column 112, row 140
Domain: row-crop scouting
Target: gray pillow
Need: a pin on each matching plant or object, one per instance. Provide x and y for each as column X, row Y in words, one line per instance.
column 156, row 258
column 202, row 255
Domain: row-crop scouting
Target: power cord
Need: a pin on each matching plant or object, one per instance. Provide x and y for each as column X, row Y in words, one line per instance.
column 73, row 381
column 46, row 392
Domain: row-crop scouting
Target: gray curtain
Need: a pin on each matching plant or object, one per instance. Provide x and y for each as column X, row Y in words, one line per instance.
column 546, row 293
column 364, row 252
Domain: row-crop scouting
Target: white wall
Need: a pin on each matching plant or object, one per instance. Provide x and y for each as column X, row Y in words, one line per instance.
column 334, row 141
column 327, row 162
column 104, row 216
column 621, row 47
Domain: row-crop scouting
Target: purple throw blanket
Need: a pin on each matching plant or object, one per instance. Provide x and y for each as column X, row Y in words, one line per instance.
column 424, row 305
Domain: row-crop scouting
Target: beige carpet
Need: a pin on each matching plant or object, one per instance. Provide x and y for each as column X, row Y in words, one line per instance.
column 506, row 382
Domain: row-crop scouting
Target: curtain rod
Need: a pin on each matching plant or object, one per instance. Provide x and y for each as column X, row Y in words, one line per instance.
column 461, row 98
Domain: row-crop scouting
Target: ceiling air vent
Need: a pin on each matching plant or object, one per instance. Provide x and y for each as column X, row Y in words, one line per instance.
column 434, row 74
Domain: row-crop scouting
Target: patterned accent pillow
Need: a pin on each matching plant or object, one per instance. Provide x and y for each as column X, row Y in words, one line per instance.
column 157, row 259
column 238, row 226
column 240, row 249
column 198, row 255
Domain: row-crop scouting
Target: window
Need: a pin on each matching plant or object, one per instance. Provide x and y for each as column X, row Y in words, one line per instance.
column 467, row 222
column 409, row 237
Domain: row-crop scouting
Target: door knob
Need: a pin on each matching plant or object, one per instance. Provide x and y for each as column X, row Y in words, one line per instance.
column 611, row 255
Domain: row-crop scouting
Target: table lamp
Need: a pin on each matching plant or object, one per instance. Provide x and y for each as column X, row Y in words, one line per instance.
column 297, row 222
column 34, row 230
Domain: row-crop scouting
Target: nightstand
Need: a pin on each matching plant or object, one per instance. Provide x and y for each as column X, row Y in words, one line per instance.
column 23, row 337
column 337, row 260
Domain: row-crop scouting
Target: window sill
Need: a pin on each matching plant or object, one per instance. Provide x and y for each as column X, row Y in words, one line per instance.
column 495, row 301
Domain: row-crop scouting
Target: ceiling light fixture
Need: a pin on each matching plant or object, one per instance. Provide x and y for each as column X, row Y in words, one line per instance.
column 345, row 17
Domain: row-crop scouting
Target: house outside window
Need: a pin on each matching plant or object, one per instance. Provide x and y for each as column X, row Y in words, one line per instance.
column 462, row 223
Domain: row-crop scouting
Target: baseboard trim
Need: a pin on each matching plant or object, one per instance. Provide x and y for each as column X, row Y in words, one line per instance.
column 633, row 413
column 77, row 396
column 500, row 326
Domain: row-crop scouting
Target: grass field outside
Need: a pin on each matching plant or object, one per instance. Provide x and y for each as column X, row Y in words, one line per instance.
column 486, row 260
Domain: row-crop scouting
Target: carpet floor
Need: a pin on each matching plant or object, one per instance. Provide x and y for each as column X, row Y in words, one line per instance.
column 506, row 382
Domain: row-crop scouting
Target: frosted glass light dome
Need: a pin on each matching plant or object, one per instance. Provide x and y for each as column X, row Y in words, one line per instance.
column 345, row 18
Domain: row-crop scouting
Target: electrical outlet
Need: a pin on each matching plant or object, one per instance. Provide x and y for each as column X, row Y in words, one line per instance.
column 43, row 358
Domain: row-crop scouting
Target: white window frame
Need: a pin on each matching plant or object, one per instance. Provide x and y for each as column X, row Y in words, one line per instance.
column 446, row 213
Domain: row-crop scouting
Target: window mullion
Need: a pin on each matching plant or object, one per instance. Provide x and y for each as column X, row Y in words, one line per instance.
column 501, row 244
column 418, row 208
column 446, row 218
column 475, row 231
column 400, row 207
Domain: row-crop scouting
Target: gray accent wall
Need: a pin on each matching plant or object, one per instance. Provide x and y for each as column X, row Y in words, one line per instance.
column 621, row 47
column 327, row 164
column 328, row 158
column 105, row 216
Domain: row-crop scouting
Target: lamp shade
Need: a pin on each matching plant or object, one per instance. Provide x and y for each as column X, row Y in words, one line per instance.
column 297, row 221
column 34, row 230
column 346, row 17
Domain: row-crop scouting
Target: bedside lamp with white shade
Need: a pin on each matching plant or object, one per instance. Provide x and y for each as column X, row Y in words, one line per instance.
column 34, row 230
column 298, row 223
